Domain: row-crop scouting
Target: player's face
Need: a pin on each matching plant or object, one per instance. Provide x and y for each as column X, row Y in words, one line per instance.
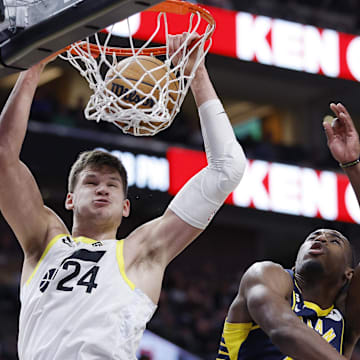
column 328, row 248
column 99, row 195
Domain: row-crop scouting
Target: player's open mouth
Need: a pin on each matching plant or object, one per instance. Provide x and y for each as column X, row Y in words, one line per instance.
column 317, row 248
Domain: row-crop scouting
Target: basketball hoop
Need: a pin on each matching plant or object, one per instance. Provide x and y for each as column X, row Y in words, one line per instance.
column 162, row 84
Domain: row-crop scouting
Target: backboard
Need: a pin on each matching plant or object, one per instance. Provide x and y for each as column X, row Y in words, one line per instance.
column 31, row 30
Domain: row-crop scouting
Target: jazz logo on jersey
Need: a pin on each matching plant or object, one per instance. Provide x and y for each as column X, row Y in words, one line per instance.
column 46, row 280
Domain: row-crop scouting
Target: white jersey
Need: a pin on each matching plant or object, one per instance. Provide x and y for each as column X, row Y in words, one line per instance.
column 78, row 304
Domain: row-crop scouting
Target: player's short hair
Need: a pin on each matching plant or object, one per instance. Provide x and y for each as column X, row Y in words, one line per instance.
column 97, row 159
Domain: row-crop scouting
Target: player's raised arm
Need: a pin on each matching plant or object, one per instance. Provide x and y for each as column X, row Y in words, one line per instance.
column 20, row 199
column 194, row 206
column 197, row 202
column 343, row 142
column 264, row 299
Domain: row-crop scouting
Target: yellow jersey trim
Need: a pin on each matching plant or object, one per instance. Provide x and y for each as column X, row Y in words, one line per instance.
column 240, row 326
column 120, row 260
column 342, row 337
column 234, row 335
column 319, row 311
column 237, row 326
column 85, row 240
column 47, row 249
column 294, row 300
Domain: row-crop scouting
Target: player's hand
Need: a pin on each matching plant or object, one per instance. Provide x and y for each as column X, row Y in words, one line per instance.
column 342, row 137
column 177, row 49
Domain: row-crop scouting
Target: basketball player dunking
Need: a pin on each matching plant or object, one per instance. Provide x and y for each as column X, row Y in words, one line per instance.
column 84, row 294
column 276, row 310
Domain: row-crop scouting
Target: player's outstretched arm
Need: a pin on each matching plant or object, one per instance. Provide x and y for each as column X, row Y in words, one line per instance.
column 194, row 206
column 264, row 298
column 20, row 199
column 343, row 142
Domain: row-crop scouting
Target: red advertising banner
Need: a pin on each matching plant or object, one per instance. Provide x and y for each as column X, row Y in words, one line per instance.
column 281, row 188
column 276, row 187
column 268, row 41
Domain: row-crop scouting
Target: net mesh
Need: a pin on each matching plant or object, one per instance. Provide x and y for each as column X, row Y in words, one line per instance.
column 147, row 104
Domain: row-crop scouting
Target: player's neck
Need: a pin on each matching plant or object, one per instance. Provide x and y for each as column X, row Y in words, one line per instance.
column 321, row 292
column 96, row 232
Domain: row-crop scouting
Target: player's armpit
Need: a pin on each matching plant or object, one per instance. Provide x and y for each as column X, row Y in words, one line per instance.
column 161, row 239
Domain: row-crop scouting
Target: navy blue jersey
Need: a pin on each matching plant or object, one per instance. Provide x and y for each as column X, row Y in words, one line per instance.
column 247, row 341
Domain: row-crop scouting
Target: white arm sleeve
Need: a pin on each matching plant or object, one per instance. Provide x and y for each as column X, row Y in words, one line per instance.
column 201, row 197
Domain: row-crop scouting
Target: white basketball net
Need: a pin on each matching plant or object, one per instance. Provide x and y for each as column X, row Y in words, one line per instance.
column 128, row 107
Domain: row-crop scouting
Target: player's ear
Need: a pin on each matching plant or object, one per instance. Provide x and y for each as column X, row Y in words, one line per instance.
column 349, row 272
column 126, row 208
column 69, row 201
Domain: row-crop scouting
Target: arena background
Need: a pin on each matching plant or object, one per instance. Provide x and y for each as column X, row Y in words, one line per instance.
column 276, row 105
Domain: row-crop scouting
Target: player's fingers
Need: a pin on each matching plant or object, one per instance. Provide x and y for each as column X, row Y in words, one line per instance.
column 335, row 109
column 174, row 48
column 343, row 109
column 329, row 131
column 346, row 121
column 177, row 42
column 184, row 36
column 171, row 44
column 192, row 39
column 349, row 124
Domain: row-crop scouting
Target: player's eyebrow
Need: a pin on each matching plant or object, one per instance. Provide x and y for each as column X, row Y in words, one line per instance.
column 329, row 232
column 313, row 234
column 337, row 235
column 94, row 175
column 89, row 175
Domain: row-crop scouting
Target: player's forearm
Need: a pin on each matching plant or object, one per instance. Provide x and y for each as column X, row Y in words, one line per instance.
column 353, row 173
column 15, row 114
column 266, row 289
column 300, row 342
column 201, row 86
column 226, row 165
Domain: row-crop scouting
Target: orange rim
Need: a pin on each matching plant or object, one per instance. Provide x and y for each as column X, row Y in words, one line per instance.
column 169, row 6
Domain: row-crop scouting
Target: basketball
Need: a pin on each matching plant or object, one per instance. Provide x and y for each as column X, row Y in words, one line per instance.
column 136, row 79
column 139, row 82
